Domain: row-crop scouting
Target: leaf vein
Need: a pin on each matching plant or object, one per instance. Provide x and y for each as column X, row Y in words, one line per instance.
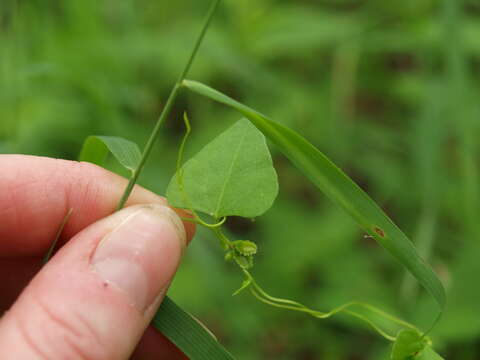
column 229, row 174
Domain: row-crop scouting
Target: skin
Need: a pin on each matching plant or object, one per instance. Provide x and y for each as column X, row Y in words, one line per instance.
column 64, row 310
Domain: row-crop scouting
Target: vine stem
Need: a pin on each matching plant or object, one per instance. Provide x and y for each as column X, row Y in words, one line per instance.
column 168, row 107
column 264, row 297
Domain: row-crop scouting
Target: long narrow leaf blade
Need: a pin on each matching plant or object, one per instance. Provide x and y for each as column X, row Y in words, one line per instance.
column 339, row 188
column 187, row 333
column 96, row 148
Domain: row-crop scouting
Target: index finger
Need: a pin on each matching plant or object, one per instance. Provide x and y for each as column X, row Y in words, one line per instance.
column 37, row 192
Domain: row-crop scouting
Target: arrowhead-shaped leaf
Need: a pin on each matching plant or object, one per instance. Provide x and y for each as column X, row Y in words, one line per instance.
column 232, row 175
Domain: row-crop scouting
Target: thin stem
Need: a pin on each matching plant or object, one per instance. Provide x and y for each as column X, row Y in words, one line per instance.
column 181, row 150
column 179, row 176
column 226, row 243
column 264, row 297
column 257, row 291
column 321, row 315
column 199, row 221
column 168, row 106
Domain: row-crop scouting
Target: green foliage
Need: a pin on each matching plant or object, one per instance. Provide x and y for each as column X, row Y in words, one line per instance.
column 243, row 251
column 232, row 175
column 340, row 189
column 96, row 148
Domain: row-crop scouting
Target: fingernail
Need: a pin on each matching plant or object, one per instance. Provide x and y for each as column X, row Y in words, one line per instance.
column 140, row 255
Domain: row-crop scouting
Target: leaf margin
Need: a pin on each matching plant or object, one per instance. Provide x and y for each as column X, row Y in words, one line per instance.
column 96, row 148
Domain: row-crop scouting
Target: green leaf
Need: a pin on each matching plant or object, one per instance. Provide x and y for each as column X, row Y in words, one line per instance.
column 187, row 333
column 409, row 343
column 232, row 175
column 96, row 148
column 340, row 189
column 428, row 354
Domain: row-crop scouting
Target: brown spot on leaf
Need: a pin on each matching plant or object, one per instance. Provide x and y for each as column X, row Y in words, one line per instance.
column 379, row 231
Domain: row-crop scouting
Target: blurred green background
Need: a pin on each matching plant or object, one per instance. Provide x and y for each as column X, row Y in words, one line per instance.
column 387, row 89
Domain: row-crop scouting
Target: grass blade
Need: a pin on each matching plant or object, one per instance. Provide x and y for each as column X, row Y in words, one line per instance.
column 187, row 333
column 49, row 253
column 96, row 148
column 340, row 189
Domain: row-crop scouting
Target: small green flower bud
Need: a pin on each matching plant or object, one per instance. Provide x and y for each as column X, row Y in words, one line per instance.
column 245, row 247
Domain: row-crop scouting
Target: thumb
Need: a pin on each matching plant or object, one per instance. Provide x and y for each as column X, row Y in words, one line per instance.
column 97, row 295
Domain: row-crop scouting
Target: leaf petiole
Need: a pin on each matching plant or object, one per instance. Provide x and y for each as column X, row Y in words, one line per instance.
column 199, row 221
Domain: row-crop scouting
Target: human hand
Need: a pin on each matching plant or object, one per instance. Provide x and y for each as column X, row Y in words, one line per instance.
column 95, row 298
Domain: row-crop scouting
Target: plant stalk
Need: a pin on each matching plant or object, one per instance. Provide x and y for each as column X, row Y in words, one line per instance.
column 168, row 107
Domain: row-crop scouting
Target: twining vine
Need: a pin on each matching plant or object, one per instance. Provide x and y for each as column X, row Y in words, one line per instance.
column 242, row 253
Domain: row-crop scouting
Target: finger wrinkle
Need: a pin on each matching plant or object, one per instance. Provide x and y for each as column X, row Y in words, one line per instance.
column 71, row 335
column 28, row 338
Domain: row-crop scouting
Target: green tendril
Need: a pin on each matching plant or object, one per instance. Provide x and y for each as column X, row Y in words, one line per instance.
column 318, row 314
column 286, row 304
column 196, row 218
column 181, row 150
column 199, row 221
